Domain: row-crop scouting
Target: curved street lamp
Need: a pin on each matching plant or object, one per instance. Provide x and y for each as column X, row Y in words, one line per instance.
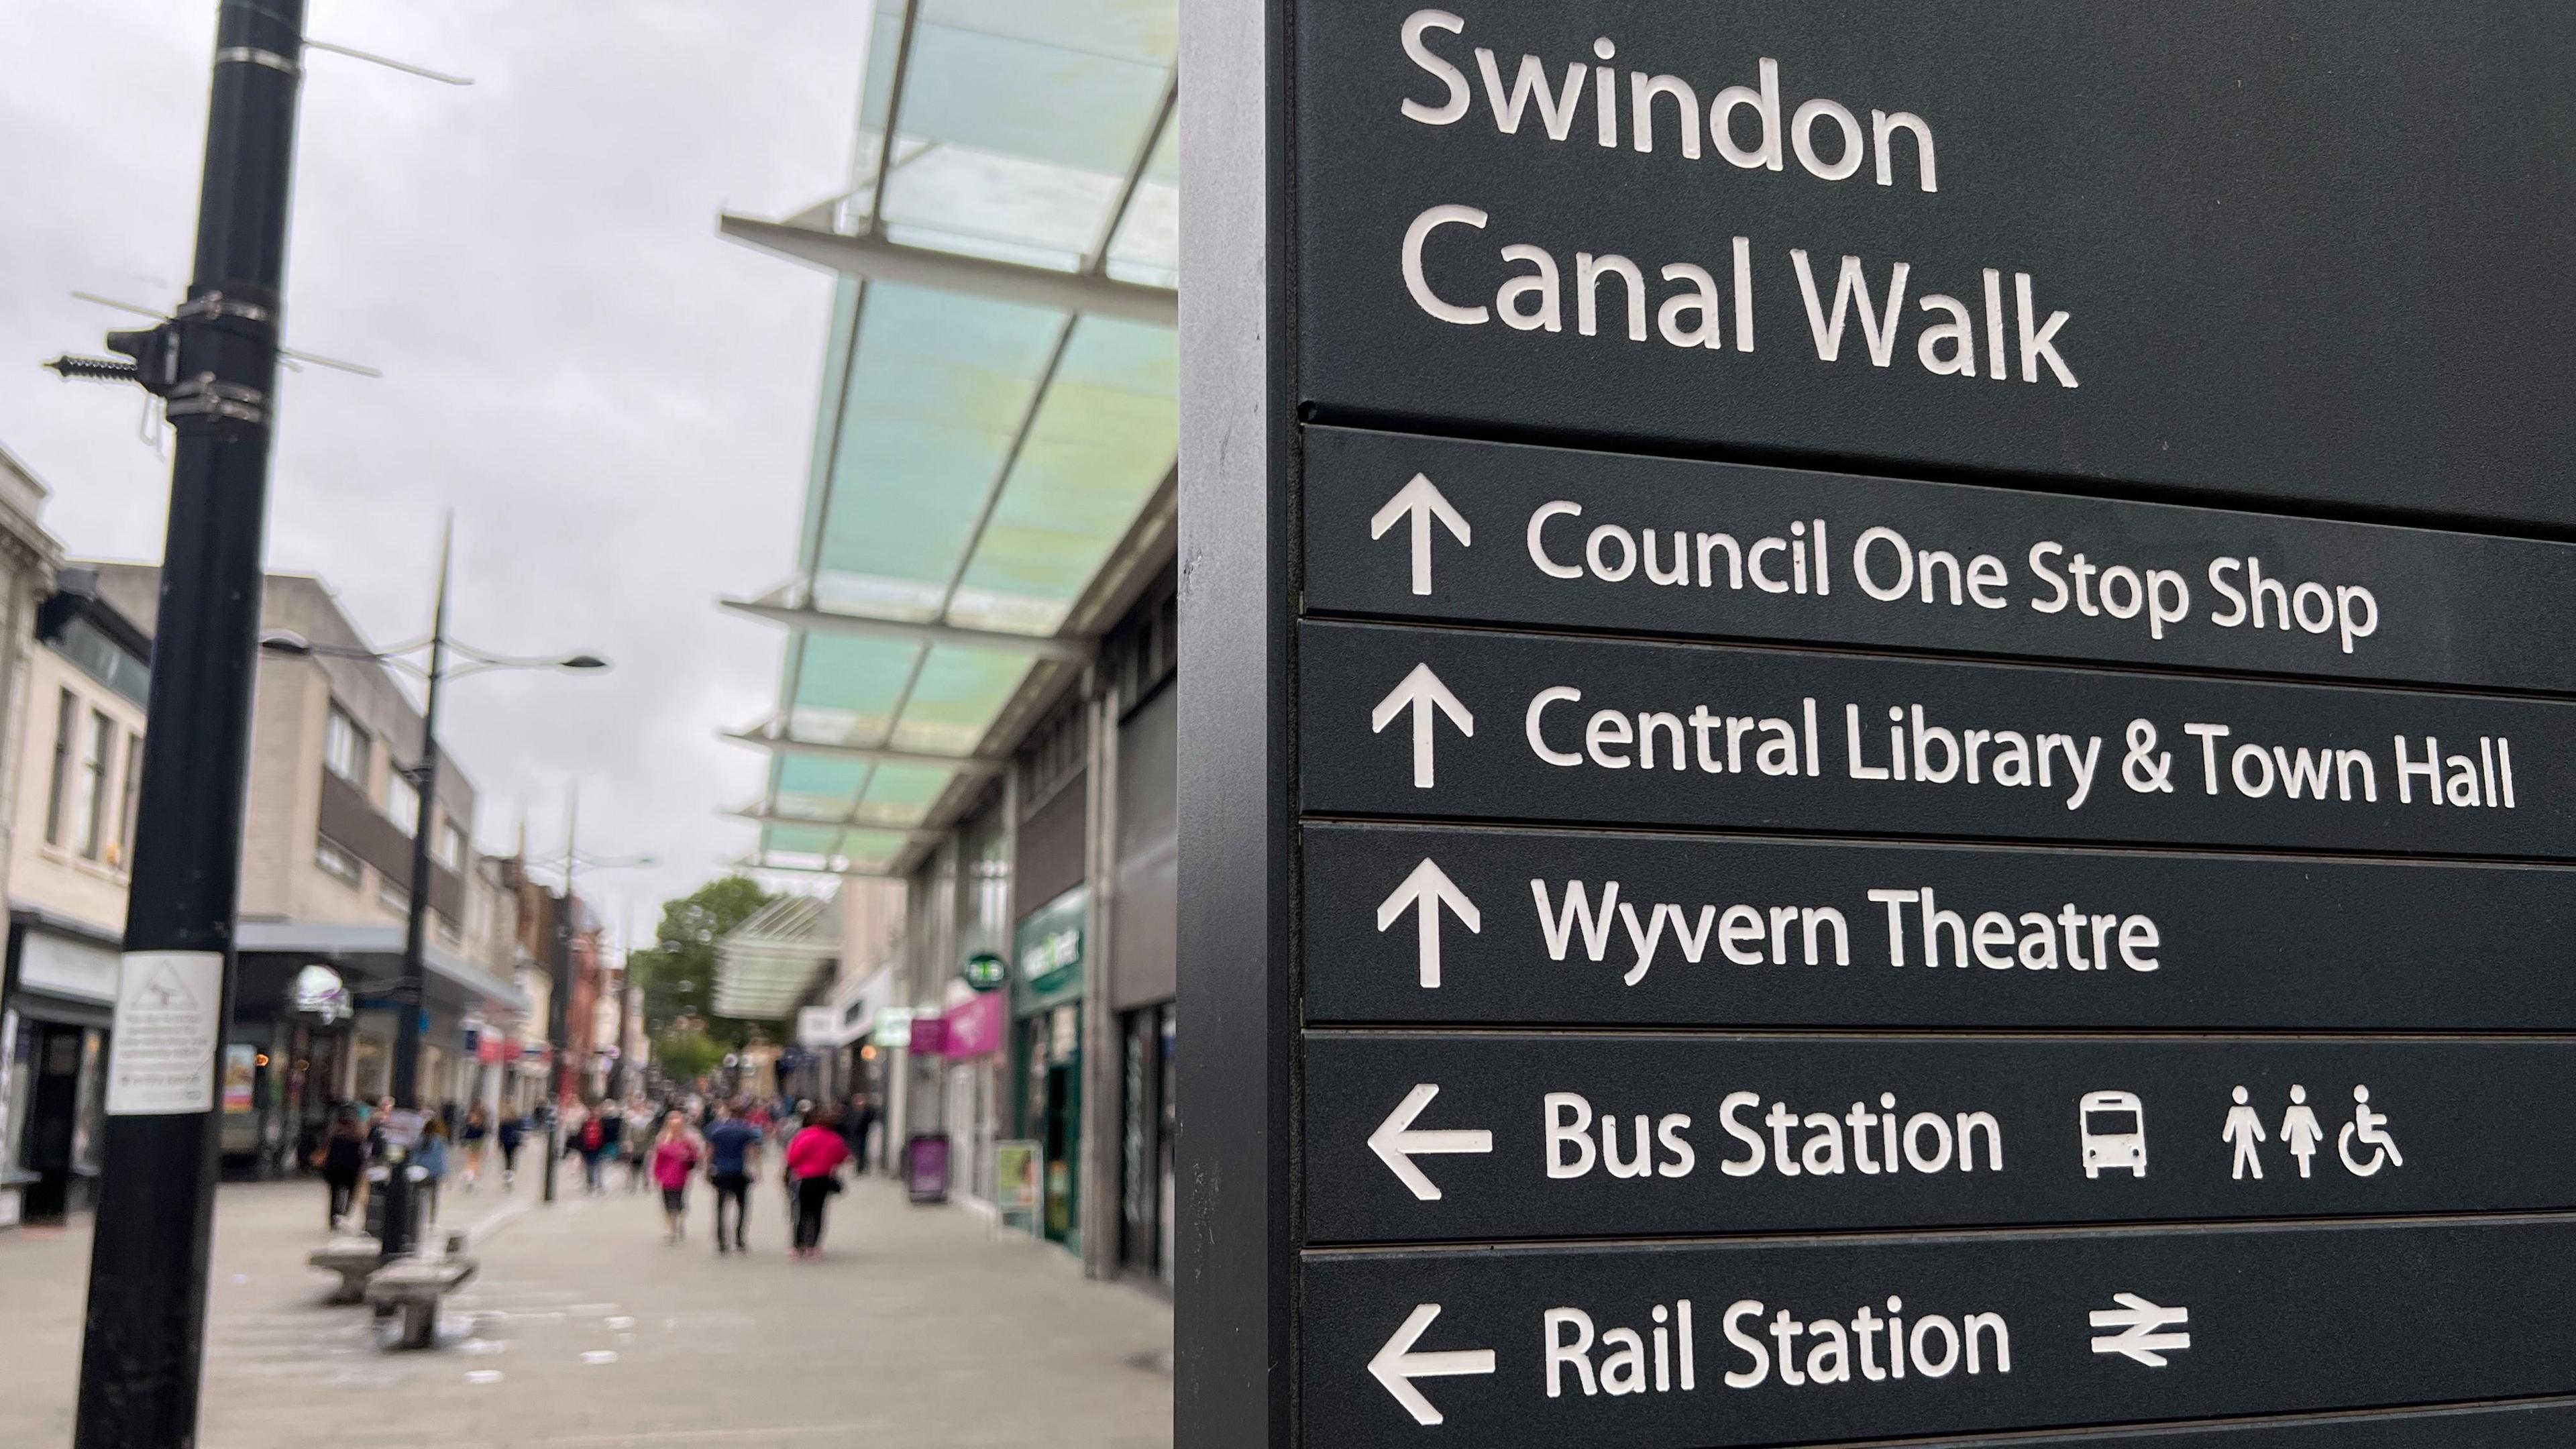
column 423, row 777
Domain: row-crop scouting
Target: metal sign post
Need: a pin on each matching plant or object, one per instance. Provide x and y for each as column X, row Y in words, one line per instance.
column 1880, row 741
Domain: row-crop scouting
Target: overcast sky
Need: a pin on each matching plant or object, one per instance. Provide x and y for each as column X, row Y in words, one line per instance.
column 616, row 403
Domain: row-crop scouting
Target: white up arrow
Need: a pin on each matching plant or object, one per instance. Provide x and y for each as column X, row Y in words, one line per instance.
column 1397, row 1366
column 1425, row 892
column 1396, row 1140
column 1421, row 691
column 1424, row 502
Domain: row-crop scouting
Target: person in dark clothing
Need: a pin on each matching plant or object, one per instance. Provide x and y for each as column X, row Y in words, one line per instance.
column 344, row 1162
column 856, row 1124
column 513, row 1131
column 733, row 1154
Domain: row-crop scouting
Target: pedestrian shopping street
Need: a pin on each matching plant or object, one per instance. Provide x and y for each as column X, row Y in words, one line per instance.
column 584, row 1329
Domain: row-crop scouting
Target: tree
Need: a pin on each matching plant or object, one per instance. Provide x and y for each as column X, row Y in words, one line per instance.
column 686, row 1052
column 679, row 973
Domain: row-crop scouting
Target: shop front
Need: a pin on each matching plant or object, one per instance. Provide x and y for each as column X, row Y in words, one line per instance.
column 1046, row 990
column 314, row 1024
column 977, row 1022
column 55, row 1019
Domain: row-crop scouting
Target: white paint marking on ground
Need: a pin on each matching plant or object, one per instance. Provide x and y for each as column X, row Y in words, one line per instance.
column 599, row 1356
column 483, row 1376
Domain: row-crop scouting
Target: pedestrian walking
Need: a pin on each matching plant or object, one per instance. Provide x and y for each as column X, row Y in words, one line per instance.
column 429, row 1165
column 473, row 1138
column 674, row 1156
column 344, row 1163
column 592, row 1142
column 733, row 1154
column 512, row 1131
column 642, row 1135
column 856, row 1125
column 814, row 1158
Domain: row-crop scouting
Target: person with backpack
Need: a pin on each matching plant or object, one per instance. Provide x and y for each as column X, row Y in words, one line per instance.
column 593, row 1141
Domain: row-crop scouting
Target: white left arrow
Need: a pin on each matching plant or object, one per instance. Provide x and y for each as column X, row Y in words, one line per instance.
column 1396, row 1141
column 1424, row 503
column 1425, row 891
column 1422, row 692
column 1397, row 1366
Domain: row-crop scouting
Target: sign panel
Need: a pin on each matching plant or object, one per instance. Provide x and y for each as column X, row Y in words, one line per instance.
column 1714, row 1345
column 1881, row 745
column 169, row 1026
column 1447, row 529
column 1532, row 927
column 1443, row 1137
column 2049, row 243
column 1514, row 727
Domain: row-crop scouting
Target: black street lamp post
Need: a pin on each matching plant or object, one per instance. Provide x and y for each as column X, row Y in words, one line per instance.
column 411, row 992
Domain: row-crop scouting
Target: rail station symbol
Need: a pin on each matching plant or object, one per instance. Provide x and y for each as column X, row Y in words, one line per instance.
column 2144, row 1330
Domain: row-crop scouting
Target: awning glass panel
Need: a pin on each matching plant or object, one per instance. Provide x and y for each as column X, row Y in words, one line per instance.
column 845, row 689
column 977, row 462
column 1100, row 444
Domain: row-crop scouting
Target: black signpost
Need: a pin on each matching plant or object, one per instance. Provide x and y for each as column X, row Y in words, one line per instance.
column 1881, row 736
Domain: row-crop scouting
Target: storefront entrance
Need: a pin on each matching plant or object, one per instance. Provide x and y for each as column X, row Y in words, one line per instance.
column 1051, row 1114
column 59, row 1148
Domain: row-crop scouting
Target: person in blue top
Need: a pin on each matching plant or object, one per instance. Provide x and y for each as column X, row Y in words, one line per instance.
column 430, row 1162
column 733, row 1155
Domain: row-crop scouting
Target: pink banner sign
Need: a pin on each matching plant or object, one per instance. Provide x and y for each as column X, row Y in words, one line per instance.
column 975, row 1026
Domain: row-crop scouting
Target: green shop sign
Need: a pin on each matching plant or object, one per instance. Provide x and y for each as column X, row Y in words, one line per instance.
column 984, row 971
column 1048, row 945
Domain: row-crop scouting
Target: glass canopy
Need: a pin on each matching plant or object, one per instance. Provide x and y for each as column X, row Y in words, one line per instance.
column 979, row 457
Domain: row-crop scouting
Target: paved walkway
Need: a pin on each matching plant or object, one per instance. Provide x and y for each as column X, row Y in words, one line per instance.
column 918, row 1327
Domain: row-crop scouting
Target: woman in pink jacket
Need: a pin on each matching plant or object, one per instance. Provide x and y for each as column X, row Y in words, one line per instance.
column 814, row 1158
column 675, row 1156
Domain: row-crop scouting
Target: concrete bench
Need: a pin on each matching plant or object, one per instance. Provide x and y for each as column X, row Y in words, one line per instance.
column 354, row 1259
column 414, row 1287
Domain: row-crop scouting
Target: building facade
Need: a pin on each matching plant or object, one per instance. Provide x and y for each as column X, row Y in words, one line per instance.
column 975, row 693
column 57, row 983
column 326, row 867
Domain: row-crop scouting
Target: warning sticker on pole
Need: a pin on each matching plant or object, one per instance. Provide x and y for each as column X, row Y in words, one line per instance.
column 169, row 1022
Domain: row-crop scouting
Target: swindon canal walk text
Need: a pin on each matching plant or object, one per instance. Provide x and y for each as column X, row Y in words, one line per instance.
column 1435, row 1137
column 1877, row 233
column 1494, row 725
column 1815, row 1341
